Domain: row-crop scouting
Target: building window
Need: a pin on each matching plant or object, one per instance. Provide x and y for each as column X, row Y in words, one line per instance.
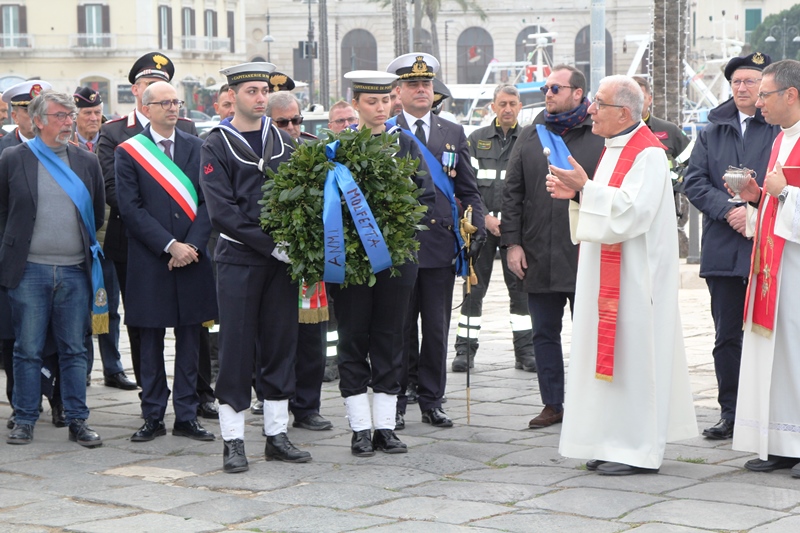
column 210, row 29
column 93, row 26
column 752, row 19
column 188, row 27
column 359, row 52
column 14, row 27
column 583, row 53
column 165, row 27
column 231, row 25
column 475, row 51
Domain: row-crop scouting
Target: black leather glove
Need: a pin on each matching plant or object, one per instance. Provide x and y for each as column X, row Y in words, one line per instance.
column 475, row 247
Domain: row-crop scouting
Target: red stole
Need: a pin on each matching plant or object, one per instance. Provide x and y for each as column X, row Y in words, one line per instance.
column 611, row 261
column 768, row 250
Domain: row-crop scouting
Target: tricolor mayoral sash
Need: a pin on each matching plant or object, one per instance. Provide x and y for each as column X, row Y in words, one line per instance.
column 768, row 249
column 164, row 170
column 611, row 260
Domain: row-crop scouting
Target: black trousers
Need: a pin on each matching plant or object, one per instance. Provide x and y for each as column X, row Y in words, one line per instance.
column 258, row 317
column 204, row 390
column 547, row 311
column 371, row 331
column 134, row 336
column 727, row 309
column 309, row 368
column 155, row 391
column 431, row 303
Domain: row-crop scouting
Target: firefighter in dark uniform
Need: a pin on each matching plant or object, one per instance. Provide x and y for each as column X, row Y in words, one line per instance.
column 257, row 298
column 148, row 69
column 490, row 148
column 446, row 145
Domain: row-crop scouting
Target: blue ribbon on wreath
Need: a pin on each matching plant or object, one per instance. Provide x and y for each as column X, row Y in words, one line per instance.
column 341, row 179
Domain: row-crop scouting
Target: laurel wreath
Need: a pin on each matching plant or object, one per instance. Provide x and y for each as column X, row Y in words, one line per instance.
column 293, row 200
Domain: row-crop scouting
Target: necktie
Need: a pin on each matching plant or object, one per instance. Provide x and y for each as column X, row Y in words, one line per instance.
column 747, row 122
column 166, row 143
column 90, row 146
column 420, row 133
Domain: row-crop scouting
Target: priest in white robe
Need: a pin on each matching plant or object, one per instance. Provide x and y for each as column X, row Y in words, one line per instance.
column 768, row 413
column 628, row 392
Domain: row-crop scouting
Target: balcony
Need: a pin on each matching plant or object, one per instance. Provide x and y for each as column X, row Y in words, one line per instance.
column 216, row 44
column 11, row 41
column 92, row 41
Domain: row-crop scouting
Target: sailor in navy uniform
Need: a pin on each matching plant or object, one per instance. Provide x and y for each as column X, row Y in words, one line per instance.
column 257, row 298
column 18, row 97
column 433, row 294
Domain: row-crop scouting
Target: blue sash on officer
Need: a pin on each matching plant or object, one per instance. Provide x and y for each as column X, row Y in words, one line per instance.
column 445, row 185
column 79, row 194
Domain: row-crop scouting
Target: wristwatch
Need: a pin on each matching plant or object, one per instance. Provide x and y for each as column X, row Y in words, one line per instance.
column 784, row 194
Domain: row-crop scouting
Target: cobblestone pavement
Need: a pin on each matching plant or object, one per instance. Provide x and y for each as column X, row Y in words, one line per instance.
column 491, row 474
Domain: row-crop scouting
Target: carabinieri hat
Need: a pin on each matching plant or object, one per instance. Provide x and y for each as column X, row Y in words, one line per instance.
column 23, row 93
column 414, row 66
column 152, row 65
column 278, row 81
column 755, row 61
column 87, row 97
column 255, row 71
column 440, row 92
column 371, row 81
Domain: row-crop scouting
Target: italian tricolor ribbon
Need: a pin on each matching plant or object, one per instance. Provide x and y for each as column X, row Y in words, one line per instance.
column 164, row 170
column 611, row 261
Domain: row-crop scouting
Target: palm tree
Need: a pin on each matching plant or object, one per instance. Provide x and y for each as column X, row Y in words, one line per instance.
column 669, row 52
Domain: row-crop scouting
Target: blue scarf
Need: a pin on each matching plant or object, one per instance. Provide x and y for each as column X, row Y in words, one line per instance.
column 561, row 123
column 79, row 194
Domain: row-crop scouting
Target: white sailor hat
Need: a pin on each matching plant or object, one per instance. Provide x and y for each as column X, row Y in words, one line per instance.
column 371, row 81
column 23, row 93
column 414, row 66
column 255, row 71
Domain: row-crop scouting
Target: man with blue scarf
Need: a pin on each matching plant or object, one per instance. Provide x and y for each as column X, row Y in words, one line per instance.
column 51, row 204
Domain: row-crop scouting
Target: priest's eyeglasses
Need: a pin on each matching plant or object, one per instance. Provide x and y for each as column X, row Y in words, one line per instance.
column 61, row 116
column 166, row 104
column 763, row 95
column 283, row 122
column 555, row 88
column 749, row 82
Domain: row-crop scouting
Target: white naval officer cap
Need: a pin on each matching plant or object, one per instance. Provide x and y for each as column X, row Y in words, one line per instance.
column 371, row 81
column 23, row 93
column 414, row 66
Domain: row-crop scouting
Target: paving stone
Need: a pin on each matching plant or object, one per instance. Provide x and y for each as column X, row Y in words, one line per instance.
column 148, row 522
column 501, row 493
column 335, row 496
column 152, row 496
column 676, row 452
column 474, row 451
column 18, row 528
column 14, row 497
column 464, row 433
column 531, row 475
column 711, row 515
column 228, row 509
column 436, row 509
column 388, row 477
column 75, row 484
column 665, row 528
column 197, row 464
column 594, row 503
column 411, row 526
column 693, row 470
column 657, row 484
column 61, row 512
column 316, row 519
column 784, row 525
column 490, row 393
column 262, row 476
column 75, row 462
column 778, row 478
column 434, row 463
column 539, row 456
column 526, row 522
column 770, row 497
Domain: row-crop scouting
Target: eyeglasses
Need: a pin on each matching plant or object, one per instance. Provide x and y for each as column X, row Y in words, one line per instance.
column 61, row 116
column 601, row 105
column 555, row 88
column 749, row 82
column 763, row 95
column 283, row 122
column 166, row 104
column 346, row 120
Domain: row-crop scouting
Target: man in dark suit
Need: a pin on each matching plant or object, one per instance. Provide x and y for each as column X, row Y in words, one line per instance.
column 433, row 293
column 148, row 69
column 51, row 204
column 87, row 133
column 169, row 278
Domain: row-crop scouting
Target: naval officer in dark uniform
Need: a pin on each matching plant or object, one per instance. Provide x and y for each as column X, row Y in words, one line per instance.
column 433, row 295
column 257, row 298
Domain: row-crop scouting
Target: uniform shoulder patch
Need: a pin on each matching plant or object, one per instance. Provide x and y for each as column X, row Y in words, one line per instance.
column 484, row 144
column 208, row 169
column 661, row 135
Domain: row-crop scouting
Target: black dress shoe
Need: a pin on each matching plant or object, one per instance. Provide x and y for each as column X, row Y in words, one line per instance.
column 21, row 434
column 526, row 363
column 150, row 430
column 721, row 431
column 773, row 462
column 399, row 421
column 460, row 362
column 257, row 408
column 361, row 444
column 12, row 420
column 233, row 457
column 59, row 419
column 119, row 381
column 80, row 432
column 331, row 373
column 208, row 410
column 592, row 464
column 619, row 469
column 386, row 441
column 313, row 422
column 411, row 393
column 437, row 418
column 193, row 430
column 281, row 448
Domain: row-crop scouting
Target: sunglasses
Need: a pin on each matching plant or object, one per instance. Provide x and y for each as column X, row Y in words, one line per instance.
column 554, row 88
column 283, row 122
